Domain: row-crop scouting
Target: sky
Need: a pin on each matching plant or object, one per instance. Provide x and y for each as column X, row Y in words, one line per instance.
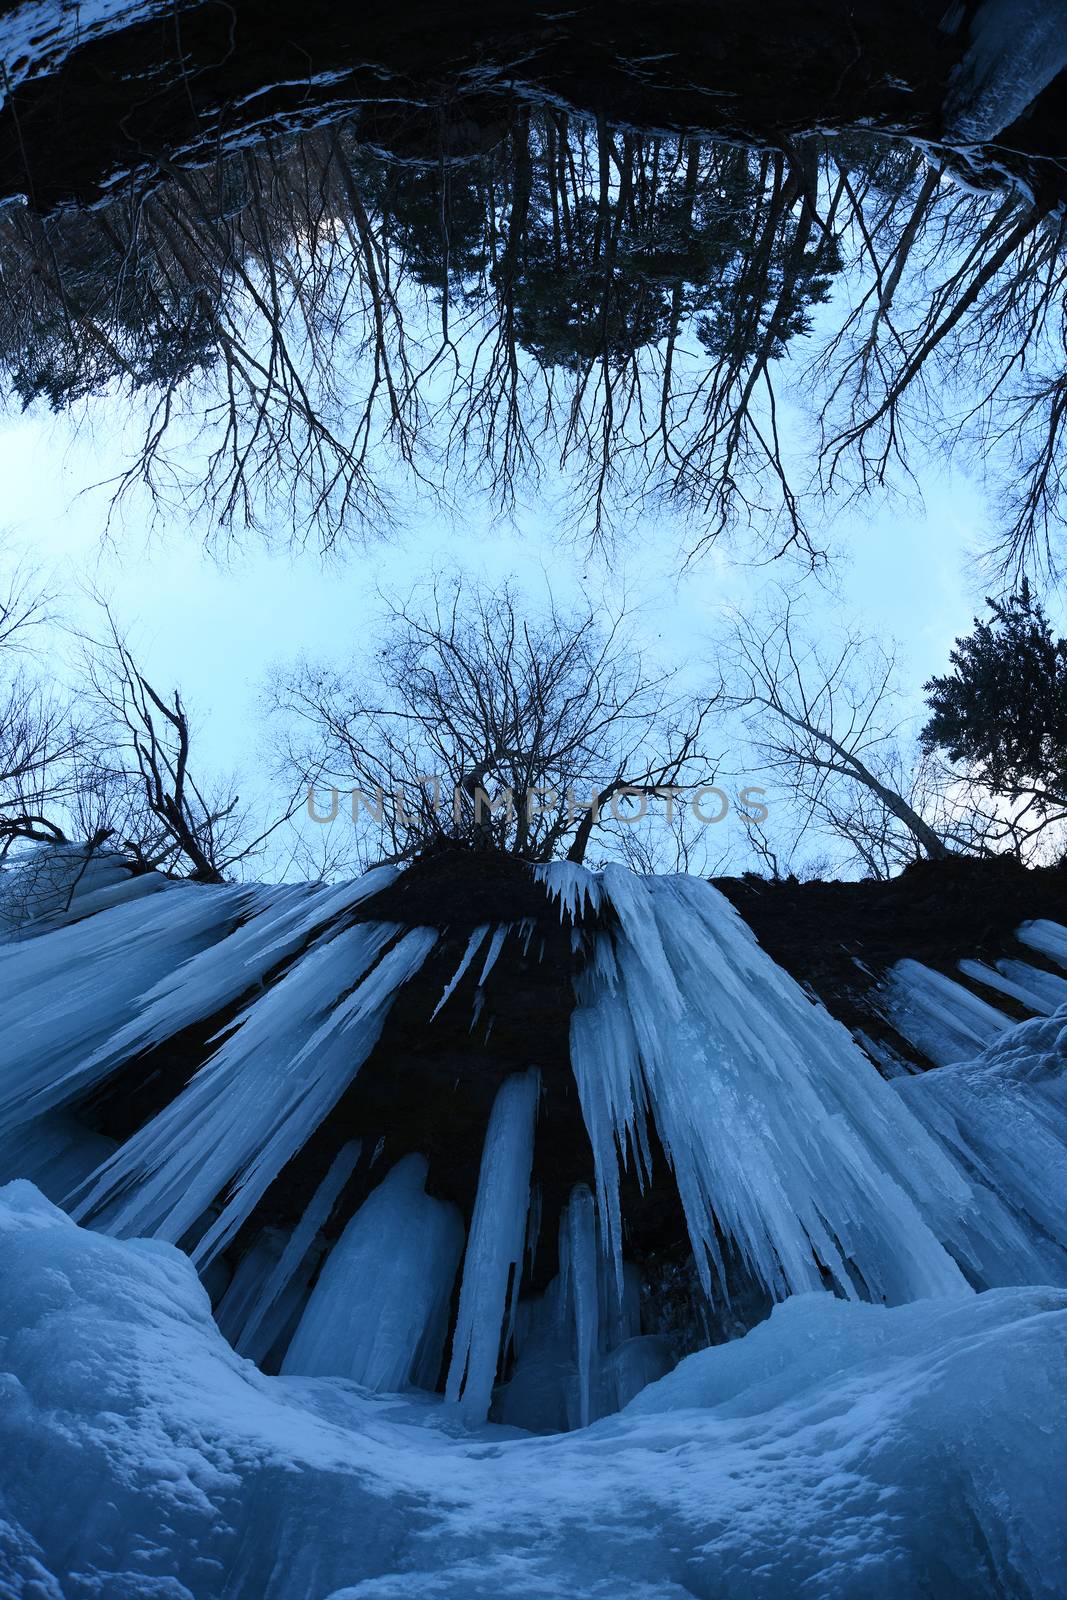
column 215, row 628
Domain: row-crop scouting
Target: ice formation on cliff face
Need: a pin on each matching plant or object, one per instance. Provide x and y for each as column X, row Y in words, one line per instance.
column 839, row 1451
column 939, row 1016
column 379, row 1312
column 781, row 1133
column 492, row 1267
column 1004, row 1115
column 793, row 1157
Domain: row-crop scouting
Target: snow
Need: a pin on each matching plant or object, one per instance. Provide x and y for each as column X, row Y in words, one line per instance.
column 840, row 1451
column 379, row 1312
column 493, row 1262
column 37, row 36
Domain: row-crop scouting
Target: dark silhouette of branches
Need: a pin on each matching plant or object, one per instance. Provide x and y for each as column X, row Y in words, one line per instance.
column 311, row 328
column 40, row 731
column 821, row 720
column 136, row 779
column 478, row 722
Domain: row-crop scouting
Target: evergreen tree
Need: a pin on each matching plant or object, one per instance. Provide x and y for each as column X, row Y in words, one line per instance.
column 1002, row 713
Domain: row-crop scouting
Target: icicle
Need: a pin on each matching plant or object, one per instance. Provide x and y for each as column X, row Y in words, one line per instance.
column 1048, row 937
column 1038, row 991
column 476, row 1009
column 379, row 1312
column 538, row 1393
column 469, row 954
column 493, row 1261
column 891, row 1063
column 119, row 893
column 500, row 933
column 533, row 1224
column 256, row 1101
column 279, row 922
column 580, row 1223
column 611, row 1089
column 563, row 1378
column 69, row 991
column 938, row 1016
column 576, row 888
column 245, row 1287
column 1044, row 986
column 316, row 1215
column 106, row 990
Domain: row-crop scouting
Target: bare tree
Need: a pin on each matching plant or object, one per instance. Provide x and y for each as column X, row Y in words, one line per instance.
column 137, row 781
column 313, row 327
column 822, row 719
column 41, row 733
column 477, row 722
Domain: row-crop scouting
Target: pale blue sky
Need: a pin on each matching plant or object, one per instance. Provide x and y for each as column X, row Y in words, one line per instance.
column 903, row 574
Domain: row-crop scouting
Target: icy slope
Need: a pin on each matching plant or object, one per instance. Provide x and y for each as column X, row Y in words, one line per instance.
column 839, row 1452
column 1004, row 1114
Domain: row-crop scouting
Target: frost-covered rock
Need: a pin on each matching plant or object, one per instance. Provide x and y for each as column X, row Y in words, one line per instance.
column 839, row 1452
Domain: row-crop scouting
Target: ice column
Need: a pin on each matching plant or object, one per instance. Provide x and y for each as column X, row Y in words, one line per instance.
column 493, row 1261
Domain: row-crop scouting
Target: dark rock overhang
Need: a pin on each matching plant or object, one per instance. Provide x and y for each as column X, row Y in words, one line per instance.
column 184, row 81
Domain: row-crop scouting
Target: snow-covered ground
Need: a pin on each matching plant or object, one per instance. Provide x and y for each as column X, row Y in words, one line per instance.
column 38, row 35
column 838, row 1451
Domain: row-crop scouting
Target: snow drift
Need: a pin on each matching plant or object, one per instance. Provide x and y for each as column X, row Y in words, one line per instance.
column 840, row 1451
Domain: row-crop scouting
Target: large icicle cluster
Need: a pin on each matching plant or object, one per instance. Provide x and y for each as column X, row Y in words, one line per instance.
column 782, row 1136
column 796, row 1164
column 264, row 1092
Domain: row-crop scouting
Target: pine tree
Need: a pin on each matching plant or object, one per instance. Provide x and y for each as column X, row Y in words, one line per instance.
column 1002, row 713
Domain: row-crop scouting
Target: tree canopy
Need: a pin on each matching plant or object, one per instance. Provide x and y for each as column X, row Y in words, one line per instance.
column 1002, row 710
